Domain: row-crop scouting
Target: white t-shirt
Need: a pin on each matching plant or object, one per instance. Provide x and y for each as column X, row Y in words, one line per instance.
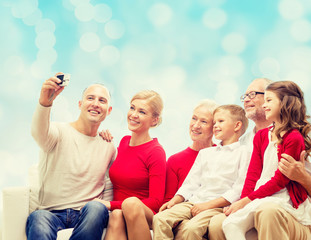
column 72, row 165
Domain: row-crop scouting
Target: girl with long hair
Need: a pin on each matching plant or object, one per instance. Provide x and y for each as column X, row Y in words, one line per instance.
column 285, row 107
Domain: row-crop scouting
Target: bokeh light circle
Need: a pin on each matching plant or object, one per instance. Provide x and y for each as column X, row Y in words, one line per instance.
column 102, row 13
column 160, row 14
column 109, row 55
column 90, row 42
column 214, row 18
column 234, row 43
column 114, row 29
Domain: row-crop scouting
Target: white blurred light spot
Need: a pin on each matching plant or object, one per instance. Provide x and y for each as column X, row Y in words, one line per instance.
column 160, row 14
column 33, row 18
column 45, row 40
column 79, row 2
column 67, row 4
column 13, row 164
column 214, row 18
column 89, row 42
column 301, row 30
column 45, row 25
column 102, row 13
column 227, row 92
column 24, row 86
column 291, row 9
column 109, row 55
column 234, row 43
column 40, row 69
column 300, row 77
column 22, row 9
column 269, row 66
column 49, row 56
column 174, row 77
column 231, row 66
column 301, row 58
column 114, row 29
column 90, row 26
column 84, row 12
column 14, row 65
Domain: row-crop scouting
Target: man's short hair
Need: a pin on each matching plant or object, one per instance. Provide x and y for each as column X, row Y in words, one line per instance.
column 237, row 113
column 100, row 84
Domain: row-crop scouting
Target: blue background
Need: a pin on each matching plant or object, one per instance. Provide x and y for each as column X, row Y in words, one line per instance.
column 186, row 50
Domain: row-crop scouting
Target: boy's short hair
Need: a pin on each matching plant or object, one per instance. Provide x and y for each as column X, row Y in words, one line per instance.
column 237, row 113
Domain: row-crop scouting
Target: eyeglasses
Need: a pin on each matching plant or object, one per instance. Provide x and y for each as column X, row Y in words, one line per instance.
column 250, row 95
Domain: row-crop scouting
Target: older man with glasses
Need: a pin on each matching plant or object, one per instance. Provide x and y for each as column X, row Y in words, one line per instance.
column 271, row 221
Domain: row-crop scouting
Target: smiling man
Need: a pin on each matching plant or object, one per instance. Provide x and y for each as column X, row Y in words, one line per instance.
column 72, row 166
column 253, row 100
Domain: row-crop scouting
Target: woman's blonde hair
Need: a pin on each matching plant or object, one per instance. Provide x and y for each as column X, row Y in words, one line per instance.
column 155, row 102
column 208, row 104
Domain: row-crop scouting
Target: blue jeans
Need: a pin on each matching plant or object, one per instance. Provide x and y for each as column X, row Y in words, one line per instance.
column 88, row 223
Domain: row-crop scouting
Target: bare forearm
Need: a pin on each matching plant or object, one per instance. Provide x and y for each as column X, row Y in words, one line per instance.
column 178, row 199
column 218, row 203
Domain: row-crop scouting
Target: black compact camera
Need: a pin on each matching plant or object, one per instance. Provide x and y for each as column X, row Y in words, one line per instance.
column 65, row 78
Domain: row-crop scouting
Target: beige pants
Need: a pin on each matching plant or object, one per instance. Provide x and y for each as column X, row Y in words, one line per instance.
column 271, row 222
column 190, row 227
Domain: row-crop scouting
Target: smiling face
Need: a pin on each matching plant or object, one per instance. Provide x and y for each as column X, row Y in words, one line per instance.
column 140, row 117
column 201, row 125
column 224, row 126
column 272, row 106
column 94, row 105
column 253, row 107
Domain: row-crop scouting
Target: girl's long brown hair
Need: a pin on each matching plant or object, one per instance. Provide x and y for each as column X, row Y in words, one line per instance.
column 293, row 112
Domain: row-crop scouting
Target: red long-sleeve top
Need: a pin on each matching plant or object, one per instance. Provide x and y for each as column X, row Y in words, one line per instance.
column 293, row 144
column 139, row 171
column 177, row 169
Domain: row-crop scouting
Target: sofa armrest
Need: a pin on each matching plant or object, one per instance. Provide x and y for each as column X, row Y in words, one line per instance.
column 15, row 212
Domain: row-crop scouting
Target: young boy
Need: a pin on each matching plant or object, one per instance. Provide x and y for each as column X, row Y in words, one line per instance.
column 214, row 181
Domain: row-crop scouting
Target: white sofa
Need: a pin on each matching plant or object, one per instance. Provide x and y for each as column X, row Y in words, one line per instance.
column 18, row 202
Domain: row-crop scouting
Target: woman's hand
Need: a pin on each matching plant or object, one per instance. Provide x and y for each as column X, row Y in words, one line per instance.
column 106, row 203
column 236, row 206
column 106, row 135
column 176, row 199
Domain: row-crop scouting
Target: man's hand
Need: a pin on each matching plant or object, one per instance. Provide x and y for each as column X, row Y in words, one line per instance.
column 236, row 206
column 176, row 199
column 200, row 207
column 50, row 90
column 291, row 168
column 106, row 203
column 296, row 170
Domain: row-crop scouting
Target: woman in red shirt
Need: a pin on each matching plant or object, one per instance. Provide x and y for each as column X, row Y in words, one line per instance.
column 138, row 173
column 201, row 134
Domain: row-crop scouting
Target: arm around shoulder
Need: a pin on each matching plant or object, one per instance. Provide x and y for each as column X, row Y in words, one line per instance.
column 296, row 170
